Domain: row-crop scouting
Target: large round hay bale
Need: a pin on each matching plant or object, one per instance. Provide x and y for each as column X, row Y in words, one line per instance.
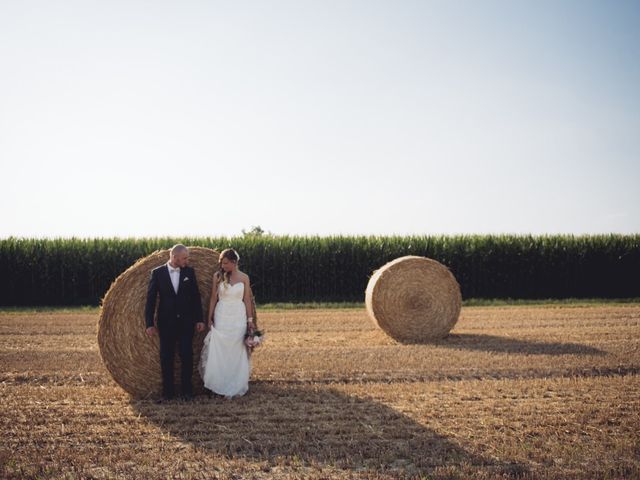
column 414, row 299
column 132, row 357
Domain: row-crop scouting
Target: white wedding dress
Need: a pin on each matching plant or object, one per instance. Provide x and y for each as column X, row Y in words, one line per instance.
column 224, row 362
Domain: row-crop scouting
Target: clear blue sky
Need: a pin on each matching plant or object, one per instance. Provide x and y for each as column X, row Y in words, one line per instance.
column 132, row 118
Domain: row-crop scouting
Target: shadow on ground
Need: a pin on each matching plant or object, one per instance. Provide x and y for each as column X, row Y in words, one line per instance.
column 492, row 343
column 315, row 425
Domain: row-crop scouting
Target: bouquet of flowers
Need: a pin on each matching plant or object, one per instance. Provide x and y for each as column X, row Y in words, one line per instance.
column 253, row 339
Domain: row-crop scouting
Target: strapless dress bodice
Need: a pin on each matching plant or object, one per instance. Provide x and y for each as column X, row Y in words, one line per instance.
column 230, row 293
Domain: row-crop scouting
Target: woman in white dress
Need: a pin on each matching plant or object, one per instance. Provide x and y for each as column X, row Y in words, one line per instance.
column 224, row 363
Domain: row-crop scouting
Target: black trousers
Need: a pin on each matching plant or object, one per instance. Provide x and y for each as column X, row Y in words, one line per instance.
column 172, row 333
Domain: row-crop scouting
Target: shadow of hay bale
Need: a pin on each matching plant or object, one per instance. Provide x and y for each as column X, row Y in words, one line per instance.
column 281, row 424
column 492, row 343
column 413, row 299
column 133, row 358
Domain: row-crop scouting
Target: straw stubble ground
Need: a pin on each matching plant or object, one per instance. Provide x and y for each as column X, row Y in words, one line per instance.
column 513, row 392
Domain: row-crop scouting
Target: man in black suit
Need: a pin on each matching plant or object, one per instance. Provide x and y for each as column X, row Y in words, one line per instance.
column 179, row 310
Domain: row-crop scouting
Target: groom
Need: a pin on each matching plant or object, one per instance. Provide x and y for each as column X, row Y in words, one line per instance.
column 179, row 310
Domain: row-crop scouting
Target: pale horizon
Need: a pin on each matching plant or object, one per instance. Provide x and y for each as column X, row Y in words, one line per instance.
column 201, row 119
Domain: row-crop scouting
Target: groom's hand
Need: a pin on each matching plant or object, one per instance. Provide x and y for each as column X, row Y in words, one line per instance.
column 200, row 327
column 151, row 331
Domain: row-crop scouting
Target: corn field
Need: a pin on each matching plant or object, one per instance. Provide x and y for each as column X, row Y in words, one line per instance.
column 334, row 269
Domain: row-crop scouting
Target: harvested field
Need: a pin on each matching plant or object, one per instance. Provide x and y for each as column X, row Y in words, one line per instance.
column 513, row 392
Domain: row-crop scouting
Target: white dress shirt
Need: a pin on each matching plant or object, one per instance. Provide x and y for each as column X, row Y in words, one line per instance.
column 174, row 273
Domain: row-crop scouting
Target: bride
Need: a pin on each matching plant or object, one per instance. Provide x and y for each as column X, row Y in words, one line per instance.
column 224, row 363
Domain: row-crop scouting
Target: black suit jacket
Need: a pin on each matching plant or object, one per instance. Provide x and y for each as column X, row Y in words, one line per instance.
column 184, row 306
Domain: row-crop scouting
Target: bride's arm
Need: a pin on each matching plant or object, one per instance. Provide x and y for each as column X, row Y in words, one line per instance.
column 214, row 298
column 248, row 304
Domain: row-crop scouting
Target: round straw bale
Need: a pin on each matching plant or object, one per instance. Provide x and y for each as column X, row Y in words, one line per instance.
column 133, row 358
column 414, row 299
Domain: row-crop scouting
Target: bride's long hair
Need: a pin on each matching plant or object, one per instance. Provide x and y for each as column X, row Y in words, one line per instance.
column 231, row 255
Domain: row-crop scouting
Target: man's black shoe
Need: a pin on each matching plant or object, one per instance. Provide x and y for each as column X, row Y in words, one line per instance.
column 164, row 400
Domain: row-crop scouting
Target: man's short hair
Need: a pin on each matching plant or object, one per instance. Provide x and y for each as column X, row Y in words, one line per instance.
column 178, row 248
